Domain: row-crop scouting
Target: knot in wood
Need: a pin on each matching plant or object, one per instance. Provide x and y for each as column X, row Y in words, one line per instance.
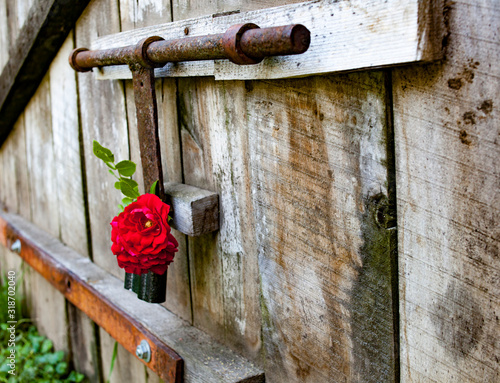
column 232, row 44
column 141, row 51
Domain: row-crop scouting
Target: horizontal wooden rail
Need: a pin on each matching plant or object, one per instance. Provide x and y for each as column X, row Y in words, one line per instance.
column 197, row 357
column 345, row 36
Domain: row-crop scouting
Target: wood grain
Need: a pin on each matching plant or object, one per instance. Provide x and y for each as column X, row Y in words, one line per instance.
column 4, row 35
column 188, row 9
column 18, row 13
column 143, row 13
column 345, row 36
column 195, row 211
column 447, row 131
column 37, row 30
column 102, row 296
column 318, row 160
column 103, row 118
column 272, row 156
column 223, row 265
column 14, row 195
column 71, row 203
column 47, row 306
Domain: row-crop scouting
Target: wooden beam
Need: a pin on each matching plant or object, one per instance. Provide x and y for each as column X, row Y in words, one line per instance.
column 44, row 31
column 102, row 297
column 195, row 211
column 345, row 36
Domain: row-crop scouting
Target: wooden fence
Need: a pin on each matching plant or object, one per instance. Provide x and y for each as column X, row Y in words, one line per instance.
column 359, row 212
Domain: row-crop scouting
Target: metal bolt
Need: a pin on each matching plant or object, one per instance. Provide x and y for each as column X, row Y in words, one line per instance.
column 143, row 351
column 16, row 246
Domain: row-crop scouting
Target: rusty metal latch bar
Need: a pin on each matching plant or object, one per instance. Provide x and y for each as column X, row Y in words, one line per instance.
column 243, row 44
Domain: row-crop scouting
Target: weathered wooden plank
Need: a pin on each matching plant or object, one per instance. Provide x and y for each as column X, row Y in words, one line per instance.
column 448, row 174
column 18, row 11
column 71, row 203
column 47, row 306
column 14, row 193
column 188, row 9
column 318, row 157
column 103, row 118
column 4, row 35
column 129, row 320
column 195, row 210
column 345, row 36
column 67, row 156
column 140, row 14
column 224, row 271
column 143, row 13
column 44, row 29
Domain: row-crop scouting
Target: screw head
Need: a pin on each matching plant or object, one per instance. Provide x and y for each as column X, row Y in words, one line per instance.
column 16, row 246
column 143, row 351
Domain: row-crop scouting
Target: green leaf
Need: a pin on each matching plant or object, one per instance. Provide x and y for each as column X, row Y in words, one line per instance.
column 102, row 153
column 120, row 208
column 130, row 183
column 46, row 346
column 62, row 368
column 118, row 185
column 127, row 201
column 111, row 166
column 126, row 168
column 55, row 357
column 75, row 377
column 128, row 191
column 152, row 190
column 48, row 369
column 113, row 358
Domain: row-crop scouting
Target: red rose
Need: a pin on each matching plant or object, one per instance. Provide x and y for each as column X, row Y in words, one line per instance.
column 141, row 236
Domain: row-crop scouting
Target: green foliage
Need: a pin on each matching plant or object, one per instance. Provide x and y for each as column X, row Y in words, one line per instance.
column 125, row 169
column 103, row 153
column 36, row 360
column 153, row 188
column 113, row 359
column 128, row 191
